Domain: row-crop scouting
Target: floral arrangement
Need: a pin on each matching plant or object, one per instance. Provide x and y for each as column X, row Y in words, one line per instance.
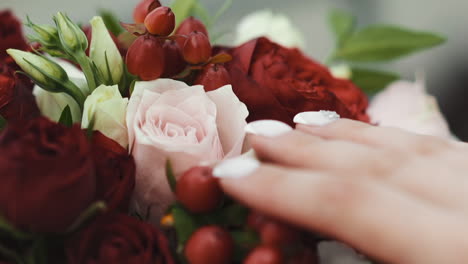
column 108, row 130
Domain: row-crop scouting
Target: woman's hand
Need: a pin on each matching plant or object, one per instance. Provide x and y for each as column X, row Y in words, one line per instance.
column 399, row 197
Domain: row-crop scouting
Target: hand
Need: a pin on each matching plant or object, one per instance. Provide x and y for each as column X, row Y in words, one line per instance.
column 399, row 197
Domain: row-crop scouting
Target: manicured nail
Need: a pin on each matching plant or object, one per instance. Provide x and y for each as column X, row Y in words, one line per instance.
column 236, row 168
column 318, row 118
column 267, row 128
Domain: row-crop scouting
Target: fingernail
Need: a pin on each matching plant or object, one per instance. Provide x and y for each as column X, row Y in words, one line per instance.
column 267, row 128
column 236, row 168
column 317, row 118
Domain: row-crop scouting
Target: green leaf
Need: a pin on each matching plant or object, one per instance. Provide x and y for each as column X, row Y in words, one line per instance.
column 184, row 224
column 342, row 25
column 383, row 43
column 224, row 8
column 111, row 21
column 170, row 176
column 9, row 229
column 371, row 81
column 91, row 212
column 3, row 123
column 244, row 241
column 182, row 9
column 66, row 117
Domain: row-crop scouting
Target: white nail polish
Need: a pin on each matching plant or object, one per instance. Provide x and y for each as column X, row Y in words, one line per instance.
column 318, row 118
column 267, row 128
column 236, row 168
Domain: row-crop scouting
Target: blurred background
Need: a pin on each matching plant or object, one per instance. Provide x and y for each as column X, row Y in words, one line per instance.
column 446, row 67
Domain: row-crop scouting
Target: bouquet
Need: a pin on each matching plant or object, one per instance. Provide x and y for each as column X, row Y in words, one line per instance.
column 109, row 130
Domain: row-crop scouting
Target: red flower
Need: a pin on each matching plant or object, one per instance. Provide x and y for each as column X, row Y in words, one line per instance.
column 277, row 83
column 118, row 238
column 46, row 173
column 11, row 34
column 16, row 99
column 115, row 171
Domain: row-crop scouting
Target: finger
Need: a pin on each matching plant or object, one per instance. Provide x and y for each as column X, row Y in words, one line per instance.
column 301, row 150
column 359, row 132
column 374, row 218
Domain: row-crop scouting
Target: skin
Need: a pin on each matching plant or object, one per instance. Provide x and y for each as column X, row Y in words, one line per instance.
column 396, row 196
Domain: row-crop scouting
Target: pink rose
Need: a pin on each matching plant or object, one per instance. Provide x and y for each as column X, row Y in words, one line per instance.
column 168, row 119
column 407, row 105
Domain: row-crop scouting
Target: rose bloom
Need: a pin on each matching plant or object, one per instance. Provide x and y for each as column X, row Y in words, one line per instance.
column 168, row 120
column 278, row 83
column 51, row 173
column 47, row 175
column 118, row 238
column 16, row 99
column 11, row 33
column 115, row 170
column 407, row 105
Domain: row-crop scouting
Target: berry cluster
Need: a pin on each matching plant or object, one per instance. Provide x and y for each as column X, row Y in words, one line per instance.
column 156, row 53
column 212, row 228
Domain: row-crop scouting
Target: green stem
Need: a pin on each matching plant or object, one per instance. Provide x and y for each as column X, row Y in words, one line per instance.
column 85, row 65
column 10, row 255
column 75, row 93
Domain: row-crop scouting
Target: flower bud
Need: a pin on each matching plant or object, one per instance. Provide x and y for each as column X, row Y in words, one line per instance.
column 264, row 255
column 160, row 21
column 71, row 36
column 108, row 109
column 145, row 58
column 209, row 244
column 197, row 48
column 198, row 190
column 43, row 71
column 104, row 53
column 46, row 34
column 188, row 26
column 174, row 63
column 213, row 77
column 143, row 8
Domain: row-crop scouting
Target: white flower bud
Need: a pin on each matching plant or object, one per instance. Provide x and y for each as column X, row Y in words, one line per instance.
column 105, row 53
column 108, row 109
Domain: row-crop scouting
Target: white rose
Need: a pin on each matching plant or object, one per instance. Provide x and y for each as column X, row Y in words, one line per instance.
column 276, row 27
column 109, row 110
column 51, row 105
column 407, row 105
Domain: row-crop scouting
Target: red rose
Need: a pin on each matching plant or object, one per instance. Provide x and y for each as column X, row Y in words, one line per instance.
column 277, row 83
column 118, row 238
column 16, row 99
column 11, row 34
column 115, row 171
column 46, row 174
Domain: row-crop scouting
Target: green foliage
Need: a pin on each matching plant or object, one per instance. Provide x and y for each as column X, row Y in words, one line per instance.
column 111, row 21
column 170, row 176
column 383, row 43
column 183, row 9
column 342, row 24
column 66, row 117
column 371, row 81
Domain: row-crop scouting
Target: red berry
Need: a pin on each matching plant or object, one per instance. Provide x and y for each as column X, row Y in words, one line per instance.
column 145, row 58
column 198, row 190
column 264, row 255
column 197, row 48
column 209, row 244
column 143, row 8
column 160, row 21
column 213, row 77
column 277, row 234
column 188, row 26
column 174, row 62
